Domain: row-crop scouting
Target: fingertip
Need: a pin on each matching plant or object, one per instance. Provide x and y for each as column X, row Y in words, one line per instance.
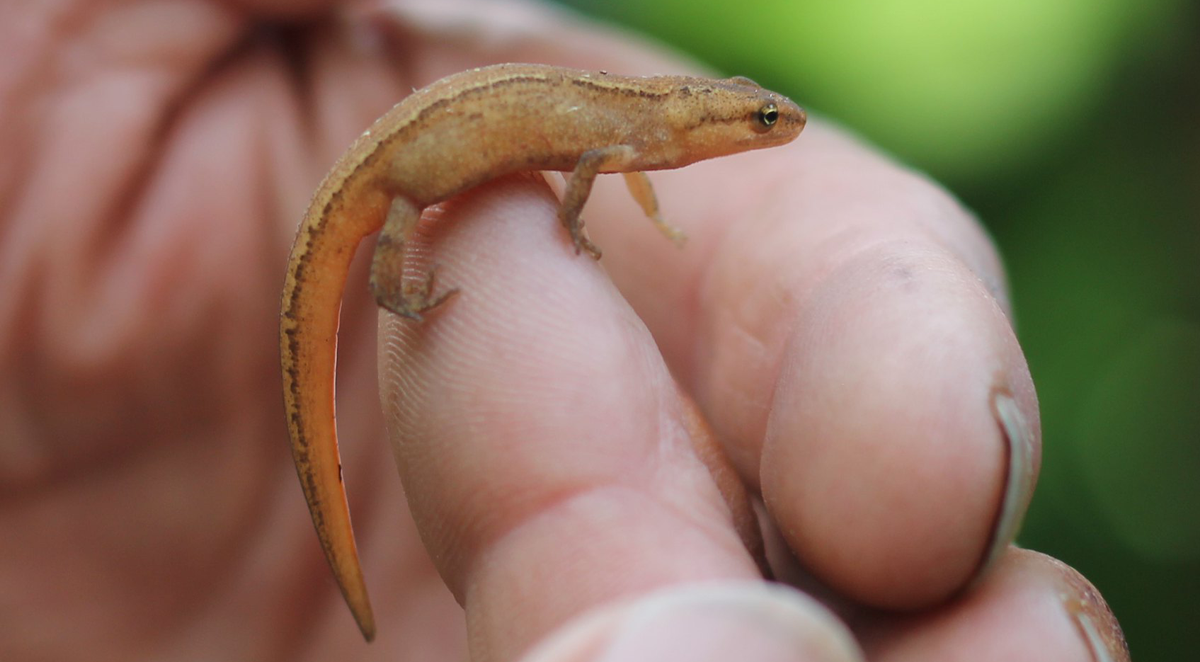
column 1097, row 625
column 883, row 461
column 1059, row 615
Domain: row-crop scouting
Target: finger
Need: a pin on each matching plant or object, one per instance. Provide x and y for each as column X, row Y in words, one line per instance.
column 750, row 621
column 843, row 324
column 1031, row 608
column 545, row 452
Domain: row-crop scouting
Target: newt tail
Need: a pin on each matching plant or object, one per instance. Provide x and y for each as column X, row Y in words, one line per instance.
column 337, row 221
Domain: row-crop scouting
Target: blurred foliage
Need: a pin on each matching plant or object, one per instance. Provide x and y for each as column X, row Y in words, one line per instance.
column 1073, row 128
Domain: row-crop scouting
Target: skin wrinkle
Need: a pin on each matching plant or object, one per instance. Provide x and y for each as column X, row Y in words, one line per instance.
column 722, row 253
column 700, row 290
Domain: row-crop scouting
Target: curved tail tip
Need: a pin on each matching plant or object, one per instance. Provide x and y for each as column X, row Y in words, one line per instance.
column 366, row 624
column 360, row 608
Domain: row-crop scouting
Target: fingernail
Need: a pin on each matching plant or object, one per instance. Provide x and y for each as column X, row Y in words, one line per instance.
column 1091, row 637
column 1098, row 627
column 1018, row 488
column 730, row 621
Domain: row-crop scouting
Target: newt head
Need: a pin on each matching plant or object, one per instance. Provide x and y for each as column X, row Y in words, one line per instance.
column 710, row 118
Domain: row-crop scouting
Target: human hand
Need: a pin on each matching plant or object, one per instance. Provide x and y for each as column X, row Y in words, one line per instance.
column 841, row 322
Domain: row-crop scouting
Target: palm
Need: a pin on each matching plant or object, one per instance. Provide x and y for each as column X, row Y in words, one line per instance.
column 145, row 456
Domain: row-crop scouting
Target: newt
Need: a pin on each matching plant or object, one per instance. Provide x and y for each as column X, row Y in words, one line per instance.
column 456, row 133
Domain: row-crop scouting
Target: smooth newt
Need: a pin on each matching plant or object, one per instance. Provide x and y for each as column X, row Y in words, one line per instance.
column 458, row 132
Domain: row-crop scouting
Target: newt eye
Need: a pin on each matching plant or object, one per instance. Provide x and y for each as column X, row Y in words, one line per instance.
column 768, row 115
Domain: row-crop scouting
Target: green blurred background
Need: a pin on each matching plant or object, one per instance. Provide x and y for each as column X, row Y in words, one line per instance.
column 1072, row 127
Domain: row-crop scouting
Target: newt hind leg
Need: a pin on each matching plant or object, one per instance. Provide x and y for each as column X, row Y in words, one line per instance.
column 387, row 267
column 643, row 193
